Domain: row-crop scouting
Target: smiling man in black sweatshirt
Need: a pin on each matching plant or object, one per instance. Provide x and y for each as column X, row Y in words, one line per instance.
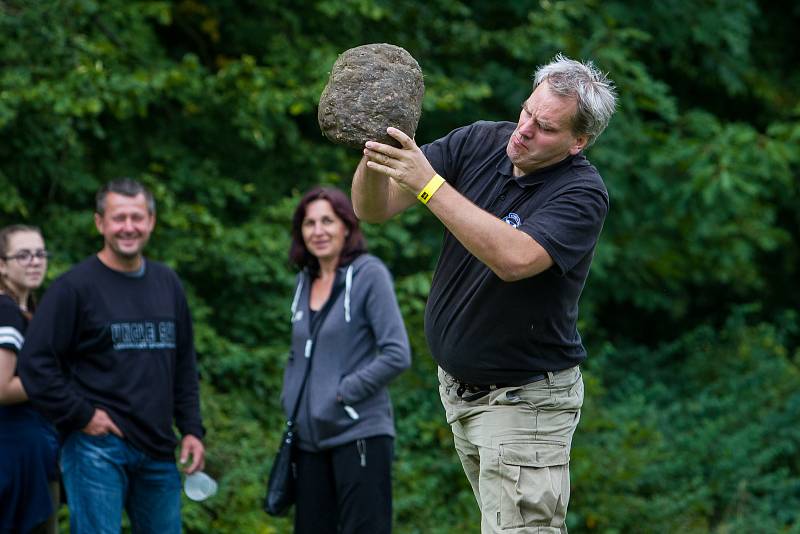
column 110, row 359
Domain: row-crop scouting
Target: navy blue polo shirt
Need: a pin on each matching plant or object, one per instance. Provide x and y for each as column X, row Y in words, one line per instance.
column 479, row 328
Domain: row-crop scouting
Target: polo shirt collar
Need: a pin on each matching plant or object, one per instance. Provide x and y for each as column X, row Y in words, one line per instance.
column 506, row 168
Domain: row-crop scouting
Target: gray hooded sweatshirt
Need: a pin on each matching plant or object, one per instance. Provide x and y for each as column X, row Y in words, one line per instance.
column 361, row 346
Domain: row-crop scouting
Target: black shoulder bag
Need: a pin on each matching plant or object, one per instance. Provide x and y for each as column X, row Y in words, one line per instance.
column 283, row 474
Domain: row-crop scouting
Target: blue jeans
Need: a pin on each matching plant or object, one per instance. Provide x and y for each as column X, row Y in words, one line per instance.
column 103, row 474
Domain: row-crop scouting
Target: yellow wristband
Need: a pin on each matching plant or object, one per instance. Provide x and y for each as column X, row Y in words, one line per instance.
column 430, row 188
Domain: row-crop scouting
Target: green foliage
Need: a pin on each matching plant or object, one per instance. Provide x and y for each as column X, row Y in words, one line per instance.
column 689, row 423
column 696, row 435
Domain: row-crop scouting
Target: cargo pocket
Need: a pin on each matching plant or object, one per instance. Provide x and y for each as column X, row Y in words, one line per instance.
column 535, row 484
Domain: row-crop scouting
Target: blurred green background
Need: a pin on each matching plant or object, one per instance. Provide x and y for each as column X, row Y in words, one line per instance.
column 690, row 313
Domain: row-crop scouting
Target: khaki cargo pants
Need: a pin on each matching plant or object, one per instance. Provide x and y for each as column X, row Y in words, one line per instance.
column 514, row 444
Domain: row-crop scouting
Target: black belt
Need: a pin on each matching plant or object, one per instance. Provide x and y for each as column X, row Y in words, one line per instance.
column 477, row 391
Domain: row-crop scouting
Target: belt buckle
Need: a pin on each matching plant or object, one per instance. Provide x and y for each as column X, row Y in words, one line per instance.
column 475, row 391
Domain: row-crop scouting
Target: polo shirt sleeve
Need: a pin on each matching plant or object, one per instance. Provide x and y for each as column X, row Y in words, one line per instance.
column 568, row 226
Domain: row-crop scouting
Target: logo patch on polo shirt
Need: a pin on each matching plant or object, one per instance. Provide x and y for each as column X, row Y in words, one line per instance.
column 513, row 219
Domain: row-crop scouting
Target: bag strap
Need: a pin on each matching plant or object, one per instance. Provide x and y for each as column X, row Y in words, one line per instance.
column 316, row 325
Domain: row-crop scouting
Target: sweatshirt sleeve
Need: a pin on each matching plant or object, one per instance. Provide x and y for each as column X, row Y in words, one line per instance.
column 186, row 387
column 393, row 351
column 43, row 358
column 569, row 225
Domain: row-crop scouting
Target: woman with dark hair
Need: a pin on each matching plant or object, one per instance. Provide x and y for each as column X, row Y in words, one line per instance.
column 28, row 443
column 348, row 333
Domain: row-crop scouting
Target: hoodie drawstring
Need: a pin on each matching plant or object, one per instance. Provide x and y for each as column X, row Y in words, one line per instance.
column 347, row 285
column 297, row 296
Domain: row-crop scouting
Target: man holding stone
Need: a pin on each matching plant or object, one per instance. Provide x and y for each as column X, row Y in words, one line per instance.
column 523, row 209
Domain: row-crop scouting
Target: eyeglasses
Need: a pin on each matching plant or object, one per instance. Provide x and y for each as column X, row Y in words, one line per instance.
column 26, row 256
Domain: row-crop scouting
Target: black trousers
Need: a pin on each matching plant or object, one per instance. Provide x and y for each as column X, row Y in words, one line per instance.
column 345, row 490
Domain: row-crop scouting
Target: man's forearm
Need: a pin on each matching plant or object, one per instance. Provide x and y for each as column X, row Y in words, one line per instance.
column 50, row 391
column 376, row 197
column 508, row 252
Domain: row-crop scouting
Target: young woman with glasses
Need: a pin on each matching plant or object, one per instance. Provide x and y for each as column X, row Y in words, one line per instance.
column 28, row 443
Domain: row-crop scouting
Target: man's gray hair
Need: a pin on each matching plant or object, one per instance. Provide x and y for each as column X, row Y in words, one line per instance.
column 594, row 91
column 126, row 187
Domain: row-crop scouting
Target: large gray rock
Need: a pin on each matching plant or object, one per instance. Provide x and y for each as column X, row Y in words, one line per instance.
column 371, row 87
